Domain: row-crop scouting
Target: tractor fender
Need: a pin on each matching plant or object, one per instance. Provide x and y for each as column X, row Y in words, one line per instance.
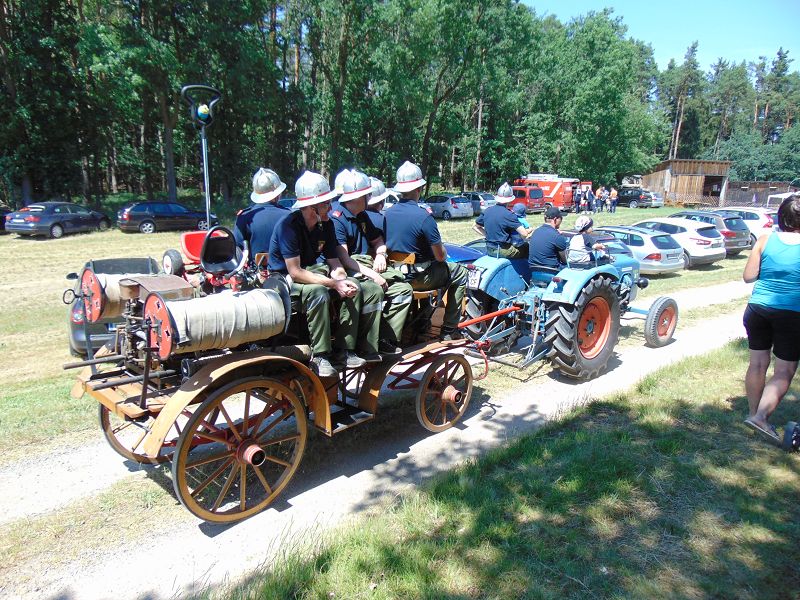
column 215, row 374
column 502, row 277
column 572, row 281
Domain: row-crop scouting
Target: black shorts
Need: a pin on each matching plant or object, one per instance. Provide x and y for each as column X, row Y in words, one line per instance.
column 773, row 328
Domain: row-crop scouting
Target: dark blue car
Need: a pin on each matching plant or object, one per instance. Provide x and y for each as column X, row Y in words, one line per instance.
column 55, row 219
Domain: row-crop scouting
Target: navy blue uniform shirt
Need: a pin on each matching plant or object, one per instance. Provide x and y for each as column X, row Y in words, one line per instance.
column 543, row 247
column 500, row 225
column 256, row 224
column 411, row 228
column 379, row 221
column 355, row 232
column 292, row 238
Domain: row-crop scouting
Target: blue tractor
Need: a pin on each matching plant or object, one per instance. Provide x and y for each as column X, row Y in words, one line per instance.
column 570, row 316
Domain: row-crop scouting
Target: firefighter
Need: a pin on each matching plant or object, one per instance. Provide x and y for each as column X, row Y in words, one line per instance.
column 357, row 236
column 499, row 225
column 297, row 242
column 256, row 223
column 412, row 230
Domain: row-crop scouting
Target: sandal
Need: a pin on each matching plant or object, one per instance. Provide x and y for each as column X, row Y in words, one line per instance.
column 769, row 434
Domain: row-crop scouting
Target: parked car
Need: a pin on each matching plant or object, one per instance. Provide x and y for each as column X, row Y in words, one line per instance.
column 55, row 219
column 102, row 331
column 393, row 198
column 702, row 244
column 759, row 220
column 149, row 217
column 636, row 197
column 449, row 206
column 532, row 197
column 4, row 210
column 730, row 225
column 656, row 252
column 480, row 201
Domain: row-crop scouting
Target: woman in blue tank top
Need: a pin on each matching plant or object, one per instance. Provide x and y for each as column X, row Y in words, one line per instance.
column 772, row 317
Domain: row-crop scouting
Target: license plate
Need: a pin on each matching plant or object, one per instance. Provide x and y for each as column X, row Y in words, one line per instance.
column 17, row 220
column 741, row 243
column 474, row 279
column 716, row 245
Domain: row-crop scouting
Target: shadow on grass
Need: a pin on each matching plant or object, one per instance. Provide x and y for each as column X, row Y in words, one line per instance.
column 657, row 494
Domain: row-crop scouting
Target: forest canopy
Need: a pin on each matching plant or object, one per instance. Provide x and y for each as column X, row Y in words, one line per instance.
column 475, row 92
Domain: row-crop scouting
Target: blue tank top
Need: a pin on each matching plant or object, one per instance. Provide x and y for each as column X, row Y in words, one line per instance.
column 778, row 284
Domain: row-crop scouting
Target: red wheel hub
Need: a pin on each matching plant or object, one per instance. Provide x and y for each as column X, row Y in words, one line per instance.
column 665, row 321
column 594, row 327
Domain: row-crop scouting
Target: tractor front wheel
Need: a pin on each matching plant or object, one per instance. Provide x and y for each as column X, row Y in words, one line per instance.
column 662, row 318
column 582, row 335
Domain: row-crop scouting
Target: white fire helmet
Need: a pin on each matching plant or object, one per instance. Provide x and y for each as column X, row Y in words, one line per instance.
column 266, row 186
column 505, row 194
column 379, row 192
column 312, row 188
column 409, row 178
column 355, row 185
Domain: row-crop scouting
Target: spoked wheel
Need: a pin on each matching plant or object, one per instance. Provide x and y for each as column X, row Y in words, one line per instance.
column 582, row 336
column 662, row 318
column 239, row 450
column 444, row 392
column 127, row 437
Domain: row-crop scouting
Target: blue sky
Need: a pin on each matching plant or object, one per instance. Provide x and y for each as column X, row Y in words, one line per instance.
column 735, row 30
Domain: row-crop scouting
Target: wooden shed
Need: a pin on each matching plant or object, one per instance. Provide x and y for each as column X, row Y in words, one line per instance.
column 690, row 182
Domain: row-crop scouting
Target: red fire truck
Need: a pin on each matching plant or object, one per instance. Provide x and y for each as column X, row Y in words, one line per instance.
column 554, row 191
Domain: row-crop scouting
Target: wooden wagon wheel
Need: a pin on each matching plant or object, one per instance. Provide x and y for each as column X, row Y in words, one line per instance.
column 444, row 392
column 233, row 465
column 127, row 437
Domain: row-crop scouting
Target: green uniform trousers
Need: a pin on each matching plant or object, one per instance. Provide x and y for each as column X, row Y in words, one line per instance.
column 315, row 301
column 397, row 301
column 436, row 277
column 510, row 252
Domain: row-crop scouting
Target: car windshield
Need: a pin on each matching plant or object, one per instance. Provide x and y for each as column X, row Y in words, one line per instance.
column 34, row 208
column 487, row 197
column 735, row 224
column 709, row 232
column 665, row 242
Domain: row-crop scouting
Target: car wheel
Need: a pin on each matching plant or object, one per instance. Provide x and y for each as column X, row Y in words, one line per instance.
column 202, row 225
column 633, row 204
column 446, row 216
column 56, row 231
column 753, row 240
column 687, row 260
column 103, row 225
column 147, row 227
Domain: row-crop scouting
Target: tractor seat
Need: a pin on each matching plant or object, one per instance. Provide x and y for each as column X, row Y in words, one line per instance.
column 220, row 254
column 542, row 276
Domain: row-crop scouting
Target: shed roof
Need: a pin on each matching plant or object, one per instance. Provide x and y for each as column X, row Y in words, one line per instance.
column 685, row 166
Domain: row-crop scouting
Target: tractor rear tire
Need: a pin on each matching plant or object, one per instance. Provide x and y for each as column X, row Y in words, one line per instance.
column 582, row 335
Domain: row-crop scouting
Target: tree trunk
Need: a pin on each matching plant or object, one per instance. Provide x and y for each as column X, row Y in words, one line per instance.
column 27, row 189
column 452, row 180
column 112, row 165
column 480, row 135
column 678, row 130
column 168, row 119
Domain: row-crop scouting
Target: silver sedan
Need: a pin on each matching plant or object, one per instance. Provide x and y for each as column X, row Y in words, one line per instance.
column 657, row 252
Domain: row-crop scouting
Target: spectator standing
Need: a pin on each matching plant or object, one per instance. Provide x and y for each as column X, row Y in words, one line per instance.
column 772, row 317
column 576, row 198
column 590, row 200
column 613, row 197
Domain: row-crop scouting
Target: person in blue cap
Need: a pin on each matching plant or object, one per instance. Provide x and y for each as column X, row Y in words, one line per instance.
column 412, row 230
column 505, row 236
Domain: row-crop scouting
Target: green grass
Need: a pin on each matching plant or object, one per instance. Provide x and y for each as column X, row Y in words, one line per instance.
column 660, row 492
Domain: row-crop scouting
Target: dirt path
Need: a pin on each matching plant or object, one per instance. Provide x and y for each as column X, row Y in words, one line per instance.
column 178, row 557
